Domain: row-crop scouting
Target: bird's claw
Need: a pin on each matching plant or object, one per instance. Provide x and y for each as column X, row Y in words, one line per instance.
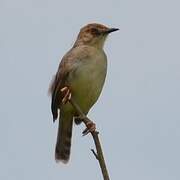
column 91, row 127
column 66, row 94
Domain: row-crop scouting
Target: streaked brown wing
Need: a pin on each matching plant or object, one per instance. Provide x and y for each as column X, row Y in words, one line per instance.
column 59, row 82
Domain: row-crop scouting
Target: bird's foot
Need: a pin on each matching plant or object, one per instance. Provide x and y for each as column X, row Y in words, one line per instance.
column 66, row 94
column 90, row 127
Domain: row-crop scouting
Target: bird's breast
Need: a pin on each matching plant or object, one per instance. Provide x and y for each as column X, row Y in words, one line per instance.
column 88, row 79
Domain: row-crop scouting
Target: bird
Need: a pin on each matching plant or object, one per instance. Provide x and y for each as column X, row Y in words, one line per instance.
column 81, row 75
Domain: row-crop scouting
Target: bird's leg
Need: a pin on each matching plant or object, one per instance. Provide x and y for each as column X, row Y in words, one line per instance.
column 66, row 94
column 90, row 127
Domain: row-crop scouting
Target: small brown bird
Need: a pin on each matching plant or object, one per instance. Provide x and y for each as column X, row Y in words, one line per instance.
column 81, row 75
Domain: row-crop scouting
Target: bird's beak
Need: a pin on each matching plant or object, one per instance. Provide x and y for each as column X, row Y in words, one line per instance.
column 110, row 30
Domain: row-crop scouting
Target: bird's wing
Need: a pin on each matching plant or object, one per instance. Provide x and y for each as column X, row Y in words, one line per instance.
column 68, row 64
column 57, row 84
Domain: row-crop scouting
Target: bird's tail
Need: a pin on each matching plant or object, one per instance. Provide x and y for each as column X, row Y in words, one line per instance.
column 63, row 145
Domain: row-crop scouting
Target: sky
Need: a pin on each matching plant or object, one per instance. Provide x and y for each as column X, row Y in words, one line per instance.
column 138, row 112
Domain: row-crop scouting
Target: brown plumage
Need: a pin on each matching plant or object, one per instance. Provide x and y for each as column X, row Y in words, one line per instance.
column 83, row 71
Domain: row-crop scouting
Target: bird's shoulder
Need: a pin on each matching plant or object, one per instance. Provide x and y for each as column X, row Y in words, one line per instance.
column 71, row 61
column 79, row 53
column 67, row 63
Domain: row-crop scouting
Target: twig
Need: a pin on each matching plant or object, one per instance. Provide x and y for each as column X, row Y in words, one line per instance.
column 99, row 155
column 95, row 154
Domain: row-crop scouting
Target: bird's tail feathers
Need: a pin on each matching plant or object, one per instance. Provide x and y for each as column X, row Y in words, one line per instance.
column 63, row 145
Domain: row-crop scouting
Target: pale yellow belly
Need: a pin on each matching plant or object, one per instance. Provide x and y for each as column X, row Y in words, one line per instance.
column 87, row 83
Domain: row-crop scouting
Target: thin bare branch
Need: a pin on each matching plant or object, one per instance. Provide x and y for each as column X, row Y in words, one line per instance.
column 99, row 154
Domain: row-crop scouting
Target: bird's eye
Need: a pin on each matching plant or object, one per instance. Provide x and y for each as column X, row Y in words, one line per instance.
column 95, row 31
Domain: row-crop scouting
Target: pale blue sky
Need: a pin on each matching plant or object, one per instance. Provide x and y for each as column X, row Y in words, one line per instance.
column 138, row 113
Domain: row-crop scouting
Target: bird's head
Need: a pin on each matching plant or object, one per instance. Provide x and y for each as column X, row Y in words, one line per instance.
column 94, row 35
